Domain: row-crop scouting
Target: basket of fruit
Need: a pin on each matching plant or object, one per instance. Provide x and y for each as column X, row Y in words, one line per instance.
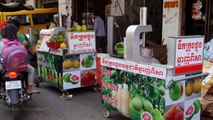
column 55, row 41
column 53, row 44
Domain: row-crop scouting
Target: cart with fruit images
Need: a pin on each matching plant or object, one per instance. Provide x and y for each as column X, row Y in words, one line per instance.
column 142, row 90
column 69, row 64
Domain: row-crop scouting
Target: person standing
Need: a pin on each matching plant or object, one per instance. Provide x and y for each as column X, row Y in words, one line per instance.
column 100, row 34
column 74, row 22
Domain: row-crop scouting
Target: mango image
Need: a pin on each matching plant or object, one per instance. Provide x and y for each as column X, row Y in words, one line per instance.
column 137, row 103
column 75, row 64
column 189, row 90
column 147, row 106
column 156, row 114
column 67, row 64
column 196, row 86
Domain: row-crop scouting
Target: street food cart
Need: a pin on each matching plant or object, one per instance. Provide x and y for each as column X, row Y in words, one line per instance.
column 140, row 88
column 73, row 64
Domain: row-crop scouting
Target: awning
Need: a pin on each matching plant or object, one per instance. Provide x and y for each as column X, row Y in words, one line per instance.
column 11, row 7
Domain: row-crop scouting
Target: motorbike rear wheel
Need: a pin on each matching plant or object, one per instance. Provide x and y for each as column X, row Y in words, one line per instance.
column 15, row 112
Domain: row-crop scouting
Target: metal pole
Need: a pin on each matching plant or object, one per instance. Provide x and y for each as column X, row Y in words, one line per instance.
column 143, row 21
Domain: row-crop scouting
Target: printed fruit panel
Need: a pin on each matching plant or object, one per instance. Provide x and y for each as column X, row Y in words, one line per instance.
column 135, row 96
column 50, row 68
column 88, row 61
column 175, row 112
column 88, row 77
column 71, row 63
column 71, row 80
column 175, row 92
column 192, row 109
column 193, row 88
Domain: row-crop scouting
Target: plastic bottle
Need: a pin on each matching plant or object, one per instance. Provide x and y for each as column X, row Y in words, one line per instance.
column 114, row 96
column 59, row 81
column 39, row 70
column 56, row 77
column 125, row 98
column 119, row 93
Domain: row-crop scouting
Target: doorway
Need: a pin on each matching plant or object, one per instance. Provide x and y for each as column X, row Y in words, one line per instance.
column 198, row 25
column 195, row 17
column 88, row 6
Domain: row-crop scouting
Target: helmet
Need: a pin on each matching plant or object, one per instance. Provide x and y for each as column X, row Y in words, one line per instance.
column 16, row 21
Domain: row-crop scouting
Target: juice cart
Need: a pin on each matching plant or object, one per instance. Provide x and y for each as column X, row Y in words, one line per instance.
column 71, row 67
column 141, row 89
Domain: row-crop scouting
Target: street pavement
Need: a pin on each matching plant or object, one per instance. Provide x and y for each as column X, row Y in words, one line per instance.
column 85, row 105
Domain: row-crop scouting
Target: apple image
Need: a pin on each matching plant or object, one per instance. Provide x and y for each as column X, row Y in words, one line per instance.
column 175, row 91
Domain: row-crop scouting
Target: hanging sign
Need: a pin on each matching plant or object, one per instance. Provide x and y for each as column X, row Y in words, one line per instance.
column 81, row 42
column 189, row 55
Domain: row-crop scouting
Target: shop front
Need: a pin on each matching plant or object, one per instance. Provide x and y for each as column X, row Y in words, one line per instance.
column 197, row 18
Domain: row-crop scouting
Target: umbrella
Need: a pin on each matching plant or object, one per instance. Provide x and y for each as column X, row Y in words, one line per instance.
column 11, row 7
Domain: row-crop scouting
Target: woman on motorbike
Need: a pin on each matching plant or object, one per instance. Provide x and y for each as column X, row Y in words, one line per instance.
column 10, row 32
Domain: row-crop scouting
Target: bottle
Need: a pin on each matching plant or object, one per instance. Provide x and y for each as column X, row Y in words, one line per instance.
column 45, row 73
column 39, row 70
column 59, row 81
column 114, row 97
column 119, row 97
column 56, row 77
column 125, row 98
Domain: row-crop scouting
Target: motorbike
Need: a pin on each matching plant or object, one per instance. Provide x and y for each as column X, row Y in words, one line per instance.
column 13, row 89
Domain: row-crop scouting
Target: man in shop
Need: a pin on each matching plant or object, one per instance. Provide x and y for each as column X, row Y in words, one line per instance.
column 100, row 34
column 50, row 23
column 74, row 22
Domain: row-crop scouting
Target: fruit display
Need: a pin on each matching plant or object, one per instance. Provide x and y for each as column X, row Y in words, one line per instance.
column 71, row 62
column 68, row 77
column 175, row 112
column 49, row 69
column 88, row 61
column 88, row 78
column 39, row 42
column 70, row 29
column 84, row 27
column 63, row 45
column 57, row 41
column 193, row 86
column 57, row 38
column 176, row 91
column 145, row 96
column 78, row 75
column 75, row 69
column 192, row 110
column 78, row 28
column 74, row 79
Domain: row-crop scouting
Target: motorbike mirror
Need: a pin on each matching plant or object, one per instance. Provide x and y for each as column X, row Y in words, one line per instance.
column 12, row 75
column 27, row 35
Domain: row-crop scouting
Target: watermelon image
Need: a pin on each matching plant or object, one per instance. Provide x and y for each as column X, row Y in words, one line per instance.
column 174, row 113
column 190, row 112
column 146, row 116
column 74, row 79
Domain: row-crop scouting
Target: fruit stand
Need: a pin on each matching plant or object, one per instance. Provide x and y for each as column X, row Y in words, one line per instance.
column 67, row 60
column 143, row 90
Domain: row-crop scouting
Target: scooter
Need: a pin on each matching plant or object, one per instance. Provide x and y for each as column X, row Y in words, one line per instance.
column 13, row 91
